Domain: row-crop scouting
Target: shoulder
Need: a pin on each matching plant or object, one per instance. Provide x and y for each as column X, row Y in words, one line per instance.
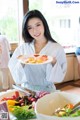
column 22, row 45
column 20, row 49
column 55, row 45
column 56, row 48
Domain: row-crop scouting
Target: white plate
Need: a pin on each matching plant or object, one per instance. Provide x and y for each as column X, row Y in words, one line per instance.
column 22, row 60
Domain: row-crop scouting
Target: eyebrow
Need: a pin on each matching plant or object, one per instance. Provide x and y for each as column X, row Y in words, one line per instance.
column 35, row 24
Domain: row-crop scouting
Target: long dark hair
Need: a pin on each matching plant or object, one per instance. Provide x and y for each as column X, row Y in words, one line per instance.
column 35, row 14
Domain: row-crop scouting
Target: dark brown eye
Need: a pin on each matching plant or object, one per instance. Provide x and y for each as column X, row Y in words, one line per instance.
column 29, row 28
column 38, row 24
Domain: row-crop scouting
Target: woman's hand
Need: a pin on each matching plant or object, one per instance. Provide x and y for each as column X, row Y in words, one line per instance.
column 54, row 61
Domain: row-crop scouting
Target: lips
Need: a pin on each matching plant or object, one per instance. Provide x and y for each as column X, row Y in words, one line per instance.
column 37, row 35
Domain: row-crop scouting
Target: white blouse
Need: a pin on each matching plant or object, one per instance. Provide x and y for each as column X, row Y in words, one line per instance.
column 39, row 77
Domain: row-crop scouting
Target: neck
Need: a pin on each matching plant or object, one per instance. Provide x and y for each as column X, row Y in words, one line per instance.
column 39, row 45
column 42, row 41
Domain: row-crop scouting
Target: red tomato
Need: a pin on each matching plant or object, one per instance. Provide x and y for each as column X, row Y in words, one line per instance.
column 7, row 98
column 31, row 99
column 4, row 99
column 16, row 94
column 44, row 58
column 36, row 55
column 14, row 97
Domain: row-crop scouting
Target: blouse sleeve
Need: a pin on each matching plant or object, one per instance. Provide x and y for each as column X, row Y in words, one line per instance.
column 16, row 68
column 59, row 69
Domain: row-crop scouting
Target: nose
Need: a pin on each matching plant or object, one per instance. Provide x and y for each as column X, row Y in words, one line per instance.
column 34, row 30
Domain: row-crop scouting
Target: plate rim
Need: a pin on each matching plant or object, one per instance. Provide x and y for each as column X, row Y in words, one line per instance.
column 50, row 58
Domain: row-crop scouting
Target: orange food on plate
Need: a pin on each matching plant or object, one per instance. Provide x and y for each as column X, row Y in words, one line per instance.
column 36, row 58
column 30, row 60
column 36, row 55
column 39, row 60
column 44, row 57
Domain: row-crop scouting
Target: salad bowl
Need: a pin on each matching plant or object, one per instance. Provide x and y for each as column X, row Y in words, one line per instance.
column 47, row 105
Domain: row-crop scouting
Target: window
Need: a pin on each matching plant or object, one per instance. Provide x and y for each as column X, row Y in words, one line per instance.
column 9, row 19
column 65, row 23
column 62, row 19
column 11, row 15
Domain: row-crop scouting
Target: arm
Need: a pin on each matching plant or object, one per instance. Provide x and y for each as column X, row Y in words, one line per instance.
column 59, row 68
column 16, row 69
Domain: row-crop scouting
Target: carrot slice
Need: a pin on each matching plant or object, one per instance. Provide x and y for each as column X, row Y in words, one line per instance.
column 70, row 106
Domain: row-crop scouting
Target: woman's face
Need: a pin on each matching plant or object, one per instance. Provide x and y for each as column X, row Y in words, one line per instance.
column 35, row 28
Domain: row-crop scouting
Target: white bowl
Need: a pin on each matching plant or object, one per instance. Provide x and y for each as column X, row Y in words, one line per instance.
column 9, row 93
column 46, row 105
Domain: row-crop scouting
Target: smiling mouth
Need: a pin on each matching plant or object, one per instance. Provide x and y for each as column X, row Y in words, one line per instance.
column 37, row 35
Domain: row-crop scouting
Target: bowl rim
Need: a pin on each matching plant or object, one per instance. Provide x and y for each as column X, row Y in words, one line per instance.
column 56, row 117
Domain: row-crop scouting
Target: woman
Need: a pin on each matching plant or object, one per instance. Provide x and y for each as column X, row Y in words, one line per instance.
column 38, row 40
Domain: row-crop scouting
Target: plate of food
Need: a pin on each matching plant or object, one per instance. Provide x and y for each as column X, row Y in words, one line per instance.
column 35, row 59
